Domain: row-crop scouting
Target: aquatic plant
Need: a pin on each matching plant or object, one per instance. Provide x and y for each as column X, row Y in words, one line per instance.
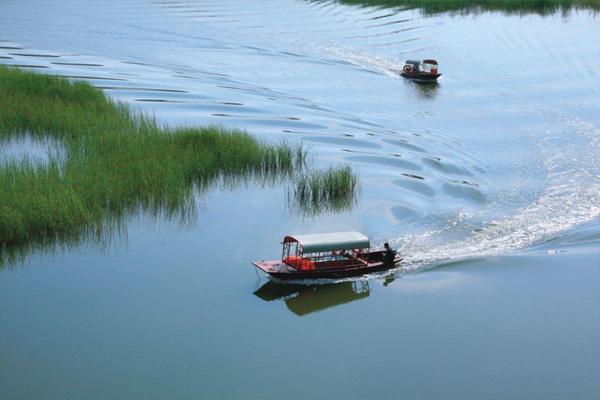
column 542, row 7
column 117, row 162
column 332, row 190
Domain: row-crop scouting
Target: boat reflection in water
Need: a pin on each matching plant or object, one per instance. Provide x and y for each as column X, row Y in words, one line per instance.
column 306, row 299
column 426, row 92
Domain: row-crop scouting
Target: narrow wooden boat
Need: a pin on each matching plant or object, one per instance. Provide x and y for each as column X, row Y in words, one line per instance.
column 327, row 256
column 421, row 71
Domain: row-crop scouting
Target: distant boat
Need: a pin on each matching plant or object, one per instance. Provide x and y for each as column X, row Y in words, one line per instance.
column 327, row 256
column 421, row 71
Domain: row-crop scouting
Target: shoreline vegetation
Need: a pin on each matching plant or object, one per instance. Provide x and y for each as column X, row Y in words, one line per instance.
column 542, row 7
column 117, row 162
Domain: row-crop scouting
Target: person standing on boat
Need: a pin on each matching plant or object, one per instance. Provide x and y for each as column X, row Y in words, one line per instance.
column 388, row 254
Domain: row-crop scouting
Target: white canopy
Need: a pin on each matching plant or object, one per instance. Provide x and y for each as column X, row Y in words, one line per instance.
column 330, row 241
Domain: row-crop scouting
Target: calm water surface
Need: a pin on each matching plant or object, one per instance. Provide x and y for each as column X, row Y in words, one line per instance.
column 489, row 183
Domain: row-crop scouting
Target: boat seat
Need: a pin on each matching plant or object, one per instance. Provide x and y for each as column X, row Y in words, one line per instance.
column 302, row 264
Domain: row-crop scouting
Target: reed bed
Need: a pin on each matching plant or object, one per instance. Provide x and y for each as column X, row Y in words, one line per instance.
column 542, row 7
column 333, row 189
column 117, row 162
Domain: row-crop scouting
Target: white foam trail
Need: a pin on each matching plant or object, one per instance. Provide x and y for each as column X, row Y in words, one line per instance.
column 571, row 198
column 364, row 59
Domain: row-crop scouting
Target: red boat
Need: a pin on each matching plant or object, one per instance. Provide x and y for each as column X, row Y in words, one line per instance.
column 421, row 71
column 327, row 256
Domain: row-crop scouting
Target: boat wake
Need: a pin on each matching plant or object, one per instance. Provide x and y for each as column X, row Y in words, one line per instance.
column 571, row 198
column 364, row 59
column 571, row 159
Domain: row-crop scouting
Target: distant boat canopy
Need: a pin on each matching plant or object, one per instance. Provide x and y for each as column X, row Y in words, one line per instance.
column 413, row 63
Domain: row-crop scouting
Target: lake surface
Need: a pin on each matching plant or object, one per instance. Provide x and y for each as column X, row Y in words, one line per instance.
column 488, row 183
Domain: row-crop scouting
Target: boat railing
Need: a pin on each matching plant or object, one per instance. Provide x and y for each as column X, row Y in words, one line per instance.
column 326, row 260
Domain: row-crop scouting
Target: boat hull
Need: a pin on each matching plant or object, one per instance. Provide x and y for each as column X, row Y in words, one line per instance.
column 419, row 77
column 283, row 271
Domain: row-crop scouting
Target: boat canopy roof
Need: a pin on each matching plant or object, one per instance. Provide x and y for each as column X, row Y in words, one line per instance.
column 330, row 241
column 414, row 62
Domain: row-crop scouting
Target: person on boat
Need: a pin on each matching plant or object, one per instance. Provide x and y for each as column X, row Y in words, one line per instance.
column 388, row 254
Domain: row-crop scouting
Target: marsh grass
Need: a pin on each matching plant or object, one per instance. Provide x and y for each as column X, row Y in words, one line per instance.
column 542, row 7
column 334, row 190
column 116, row 162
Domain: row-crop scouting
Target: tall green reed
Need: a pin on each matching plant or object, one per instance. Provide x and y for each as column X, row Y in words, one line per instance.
column 118, row 162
